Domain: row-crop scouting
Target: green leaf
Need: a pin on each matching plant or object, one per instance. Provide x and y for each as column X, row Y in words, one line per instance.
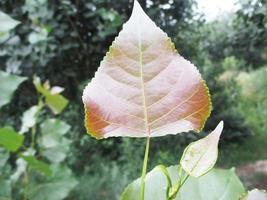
column 55, row 145
column 39, row 87
column 10, row 139
column 38, row 165
column 8, row 84
column 54, row 127
column 5, row 189
column 57, row 153
column 200, row 156
column 57, row 103
column 56, row 187
column 29, row 119
column 38, row 35
column 217, row 184
column 256, row 194
column 7, row 23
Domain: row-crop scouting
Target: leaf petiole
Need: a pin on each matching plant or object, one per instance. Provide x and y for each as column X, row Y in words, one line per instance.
column 164, row 170
column 174, row 191
column 142, row 195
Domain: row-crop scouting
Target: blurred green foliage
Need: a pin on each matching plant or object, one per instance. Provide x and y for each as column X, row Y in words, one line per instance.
column 254, row 99
column 32, row 158
column 64, row 42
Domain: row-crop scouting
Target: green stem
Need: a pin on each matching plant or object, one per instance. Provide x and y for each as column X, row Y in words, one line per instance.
column 33, row 136
column 163, row 169
column 180, row 174
column 142, row 197
column 33, row 129
column 179, row 184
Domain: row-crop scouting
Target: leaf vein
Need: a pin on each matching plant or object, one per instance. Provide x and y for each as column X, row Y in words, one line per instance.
column 177, row 106
column 113, row 123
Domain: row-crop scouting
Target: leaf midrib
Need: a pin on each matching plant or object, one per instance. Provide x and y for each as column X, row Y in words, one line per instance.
column 147, row 127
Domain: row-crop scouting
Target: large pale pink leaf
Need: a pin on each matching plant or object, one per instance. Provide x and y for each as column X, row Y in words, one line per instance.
column 143, row 87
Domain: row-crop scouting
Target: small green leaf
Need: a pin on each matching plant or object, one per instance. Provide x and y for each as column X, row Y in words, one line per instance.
column 56, row 187
column 39, row 35
column 57, row 103
column 54, row 127
column 39, row 87
column 29, row 119
column 58, row 153
column 37, row 165
column 216, row 184
column 256, row 194
column 55, row 146
column 200, row 156
column 8, row 84
column 10, row 139
column 7, row 23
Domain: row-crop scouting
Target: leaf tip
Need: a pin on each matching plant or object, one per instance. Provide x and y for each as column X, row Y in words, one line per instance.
column 137, row 9
column 220, row 125
column 216, row 133
column 136, row 5
column 219, row 128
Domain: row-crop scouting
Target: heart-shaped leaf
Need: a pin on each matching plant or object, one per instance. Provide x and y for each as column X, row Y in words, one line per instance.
column 217, row 184
column 200, row 156
column 143, row 87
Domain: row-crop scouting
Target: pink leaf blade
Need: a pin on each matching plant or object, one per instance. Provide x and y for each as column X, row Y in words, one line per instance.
column 143, row 87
